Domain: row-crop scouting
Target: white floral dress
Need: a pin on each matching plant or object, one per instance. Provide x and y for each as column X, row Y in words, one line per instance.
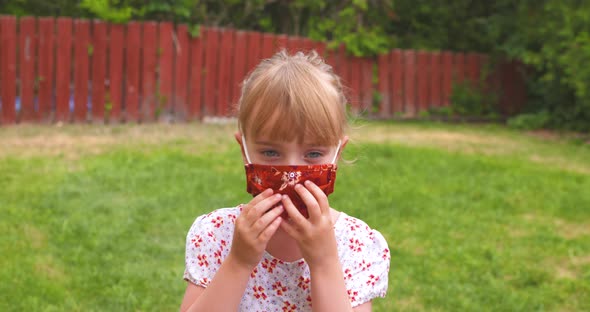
column 277, row 285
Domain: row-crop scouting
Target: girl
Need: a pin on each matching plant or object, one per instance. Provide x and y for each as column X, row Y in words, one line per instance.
column 287, row 249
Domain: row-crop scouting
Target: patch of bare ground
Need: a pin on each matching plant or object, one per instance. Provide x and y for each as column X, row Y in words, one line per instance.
column 454, row 141
column 467, row 143
column 73, row 141
column 566, row 229
column 569, row 267
column 46, row 266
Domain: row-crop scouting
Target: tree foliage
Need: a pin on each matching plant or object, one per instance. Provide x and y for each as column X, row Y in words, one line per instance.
column 551, row 36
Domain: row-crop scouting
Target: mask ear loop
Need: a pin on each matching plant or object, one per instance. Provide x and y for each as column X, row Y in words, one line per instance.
column 337, row 150
column 245, row 149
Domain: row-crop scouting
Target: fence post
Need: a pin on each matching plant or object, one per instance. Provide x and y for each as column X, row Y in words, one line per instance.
column 133, row 68
column 8, row 60
column 383, row 85
column 28, row 58
column 99, row 63
column 81, row 66
column 116, row 65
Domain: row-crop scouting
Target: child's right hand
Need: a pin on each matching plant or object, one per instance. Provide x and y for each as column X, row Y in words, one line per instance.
column 254, row 227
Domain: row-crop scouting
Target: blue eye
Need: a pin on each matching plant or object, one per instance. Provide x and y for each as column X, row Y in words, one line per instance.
column 270, row 153
column 314, row 154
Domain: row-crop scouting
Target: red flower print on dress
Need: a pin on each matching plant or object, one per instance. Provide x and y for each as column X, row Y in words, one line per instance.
column 352, row 295
column 217, row 256
column 203, row 260
column 204, row 281
column 259, row 292
column 356, row 245
column 254, row 272
column 347, row 274
column 217, row 222
column 303, row 282
column 372, row 280
column 364, row 265
column 197, row 241
column 279, row 288
column 270, row 265
column 385, row 254
column 288, row 307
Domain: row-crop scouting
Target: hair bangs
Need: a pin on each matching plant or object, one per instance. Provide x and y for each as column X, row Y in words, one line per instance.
column 293, row 98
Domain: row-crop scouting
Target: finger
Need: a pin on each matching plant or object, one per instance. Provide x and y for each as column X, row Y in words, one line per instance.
column 270, row 229
column 313, row 208
column 319, row 196
column 258, row 198
column 263, row 222
column 263, row 206
column 292, row 211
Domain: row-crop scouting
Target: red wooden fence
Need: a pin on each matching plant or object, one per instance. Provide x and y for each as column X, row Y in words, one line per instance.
column 74, row 70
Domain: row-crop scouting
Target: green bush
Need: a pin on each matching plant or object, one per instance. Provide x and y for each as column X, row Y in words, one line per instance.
column 530, row 121
column 469, row 100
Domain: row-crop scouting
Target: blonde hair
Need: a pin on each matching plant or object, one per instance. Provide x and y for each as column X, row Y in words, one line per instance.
column 293, row 97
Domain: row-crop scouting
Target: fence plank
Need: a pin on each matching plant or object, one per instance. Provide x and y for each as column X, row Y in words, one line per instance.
column 366, row 85
column 116, row 64
column 28, row 56
column 422, row 80
column 166, row 69
column 181, row 79
column 447, row 78
column 383, row 85
column 8, row 42
column 99, row 63
column 397, row 82
column 281, row 42
column 224, row 85
column 64, row 59
column 307, row 45
column 81, row 69
column 459, row 68
column 132, row 74
column 196, row 77
column 410, row 82
column 320, row 48
column 343, row 68
column 268, row 48
column 149, row 93
column 46, row 66
column 254, row 49
column 435, row 80
column 239, row 67
column 355, row 79
column 211, row 70
column 292, row 44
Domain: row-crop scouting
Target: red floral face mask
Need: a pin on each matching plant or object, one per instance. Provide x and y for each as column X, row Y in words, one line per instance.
column 282, row 179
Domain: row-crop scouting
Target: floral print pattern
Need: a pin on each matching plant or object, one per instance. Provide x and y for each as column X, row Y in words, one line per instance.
column 277, row 285
column 282, row 179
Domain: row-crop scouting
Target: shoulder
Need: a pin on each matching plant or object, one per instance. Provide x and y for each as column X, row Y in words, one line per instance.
column 365, row 258
column 359, row 235
column 214, row 225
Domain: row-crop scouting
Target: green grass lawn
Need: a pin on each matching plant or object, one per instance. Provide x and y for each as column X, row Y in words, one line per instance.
column 478, row 218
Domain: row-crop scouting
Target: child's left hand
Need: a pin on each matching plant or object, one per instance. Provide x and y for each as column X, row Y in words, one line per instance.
column 315, row 236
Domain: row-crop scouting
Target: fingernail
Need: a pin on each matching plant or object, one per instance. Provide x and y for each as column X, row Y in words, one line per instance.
column 285, row 196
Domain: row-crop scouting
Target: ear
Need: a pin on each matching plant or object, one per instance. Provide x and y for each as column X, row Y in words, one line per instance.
column 238, row 136
column 343, row 143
